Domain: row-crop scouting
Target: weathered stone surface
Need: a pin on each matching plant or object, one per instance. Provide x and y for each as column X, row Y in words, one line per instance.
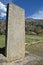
column 16, row 33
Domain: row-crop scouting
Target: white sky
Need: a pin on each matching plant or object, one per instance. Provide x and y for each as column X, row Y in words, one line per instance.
column 2, row 10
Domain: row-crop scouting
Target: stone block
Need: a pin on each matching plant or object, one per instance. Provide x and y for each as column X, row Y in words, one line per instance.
column 15, row 47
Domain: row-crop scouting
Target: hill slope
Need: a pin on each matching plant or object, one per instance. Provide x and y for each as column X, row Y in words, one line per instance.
column 33, row 25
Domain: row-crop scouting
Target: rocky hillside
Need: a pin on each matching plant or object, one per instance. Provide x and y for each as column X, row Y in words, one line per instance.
column 33, row 26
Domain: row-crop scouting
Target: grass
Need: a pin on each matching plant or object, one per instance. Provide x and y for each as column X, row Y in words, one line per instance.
column 39, row 63
column 33, row 38
column 2, row 41
column 36, row 49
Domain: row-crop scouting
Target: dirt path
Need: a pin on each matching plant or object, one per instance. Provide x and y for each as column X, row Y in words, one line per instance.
column 31, row 59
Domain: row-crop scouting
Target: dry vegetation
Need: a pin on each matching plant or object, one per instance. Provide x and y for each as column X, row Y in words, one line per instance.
column 36, row 48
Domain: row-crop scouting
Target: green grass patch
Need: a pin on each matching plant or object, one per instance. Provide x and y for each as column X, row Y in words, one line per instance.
column 36, row 49
column 33, row 38
column 2, row 41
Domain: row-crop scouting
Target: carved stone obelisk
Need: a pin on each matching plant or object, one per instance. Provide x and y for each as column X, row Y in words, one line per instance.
column 15, row 48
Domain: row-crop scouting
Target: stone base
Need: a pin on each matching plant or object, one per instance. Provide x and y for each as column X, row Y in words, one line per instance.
column 3, row 61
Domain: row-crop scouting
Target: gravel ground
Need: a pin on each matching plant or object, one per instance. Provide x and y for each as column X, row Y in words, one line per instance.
column 29, row 59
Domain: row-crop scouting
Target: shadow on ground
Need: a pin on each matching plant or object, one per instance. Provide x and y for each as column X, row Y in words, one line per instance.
column 2, row 51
